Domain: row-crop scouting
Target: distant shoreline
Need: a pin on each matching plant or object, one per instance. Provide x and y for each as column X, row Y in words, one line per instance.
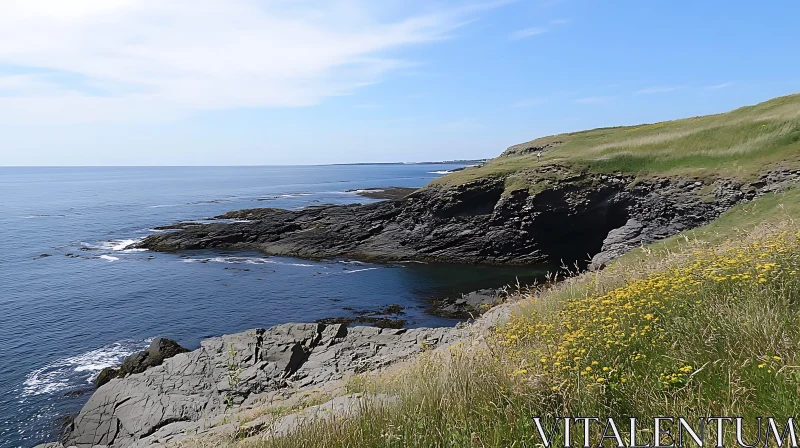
column 445, row 162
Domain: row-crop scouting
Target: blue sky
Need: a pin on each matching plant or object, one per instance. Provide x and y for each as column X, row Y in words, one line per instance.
column 251, row 82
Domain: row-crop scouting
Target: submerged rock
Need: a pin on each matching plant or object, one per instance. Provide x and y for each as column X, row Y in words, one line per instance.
column 386, row 317
column 384, row 193
column 469, row 305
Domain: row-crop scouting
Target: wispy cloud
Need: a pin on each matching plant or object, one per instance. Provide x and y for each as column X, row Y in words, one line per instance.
column 528, row 32
column 658, row 89
column 537, row 30
column 594, row 100
column 720, row 86
column 109, row 60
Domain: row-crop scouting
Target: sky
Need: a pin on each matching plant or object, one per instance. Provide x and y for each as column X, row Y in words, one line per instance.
column 274, row 82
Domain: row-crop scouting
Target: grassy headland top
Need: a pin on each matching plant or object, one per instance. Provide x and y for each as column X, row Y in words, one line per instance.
column 738, row 144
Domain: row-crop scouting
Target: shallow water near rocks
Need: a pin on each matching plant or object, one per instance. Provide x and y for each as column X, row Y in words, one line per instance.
column 73, row 299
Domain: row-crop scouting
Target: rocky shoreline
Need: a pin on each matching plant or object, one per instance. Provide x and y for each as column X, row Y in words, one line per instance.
column 199, row 393
column 565, row 217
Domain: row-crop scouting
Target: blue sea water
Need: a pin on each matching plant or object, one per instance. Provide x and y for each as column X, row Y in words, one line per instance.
column 73, row 299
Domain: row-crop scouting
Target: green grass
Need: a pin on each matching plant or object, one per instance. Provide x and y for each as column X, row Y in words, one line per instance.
column 738, row 144
column 704, row 323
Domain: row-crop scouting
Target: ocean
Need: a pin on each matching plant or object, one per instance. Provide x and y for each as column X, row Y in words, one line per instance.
column 74, row 299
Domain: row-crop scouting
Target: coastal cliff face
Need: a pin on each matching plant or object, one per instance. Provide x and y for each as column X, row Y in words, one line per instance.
column 566, row 217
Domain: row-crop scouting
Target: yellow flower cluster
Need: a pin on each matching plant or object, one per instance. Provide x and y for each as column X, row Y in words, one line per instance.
column 596, row 336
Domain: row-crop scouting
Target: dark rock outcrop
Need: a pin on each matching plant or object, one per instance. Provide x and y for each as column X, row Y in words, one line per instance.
column 563, row 217
column 160, row 349
column 471, row 223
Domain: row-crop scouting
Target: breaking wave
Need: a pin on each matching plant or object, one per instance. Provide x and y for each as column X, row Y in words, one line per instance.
column 78, row 370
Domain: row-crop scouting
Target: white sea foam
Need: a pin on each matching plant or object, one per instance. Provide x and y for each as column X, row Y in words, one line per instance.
column 294, row 195
column 439, row 172
column 243, row 260
column 115, row 245
column 359, row 270
column 108, row 257
column 70, row 372
column 225, row 221
column 42, row 216
column 165, row 205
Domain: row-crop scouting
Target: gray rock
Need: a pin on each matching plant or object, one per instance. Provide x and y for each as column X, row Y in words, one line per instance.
column 186, row 392
column 159, row 350
column 663, row 208
column 618, row 242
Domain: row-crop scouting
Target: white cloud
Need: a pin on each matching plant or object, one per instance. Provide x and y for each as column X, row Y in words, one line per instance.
column 658, row 89
column 528, row 32
column 720, row 86
column 109, row 60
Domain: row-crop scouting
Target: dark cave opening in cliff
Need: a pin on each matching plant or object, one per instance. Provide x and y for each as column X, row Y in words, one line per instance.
column 572, row 239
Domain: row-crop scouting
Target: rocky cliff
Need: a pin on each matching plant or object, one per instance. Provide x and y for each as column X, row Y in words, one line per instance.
column 564, row 216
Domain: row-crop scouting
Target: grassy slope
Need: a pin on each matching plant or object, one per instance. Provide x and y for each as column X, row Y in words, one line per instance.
column 740, row 143
column 671, row 329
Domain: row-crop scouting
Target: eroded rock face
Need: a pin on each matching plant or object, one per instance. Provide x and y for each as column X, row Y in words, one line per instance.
column 567, row 217
column 665, row 207
column 471, row 223
column 189, row 388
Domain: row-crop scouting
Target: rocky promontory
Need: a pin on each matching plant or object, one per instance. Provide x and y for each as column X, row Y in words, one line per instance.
column 562, row 216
